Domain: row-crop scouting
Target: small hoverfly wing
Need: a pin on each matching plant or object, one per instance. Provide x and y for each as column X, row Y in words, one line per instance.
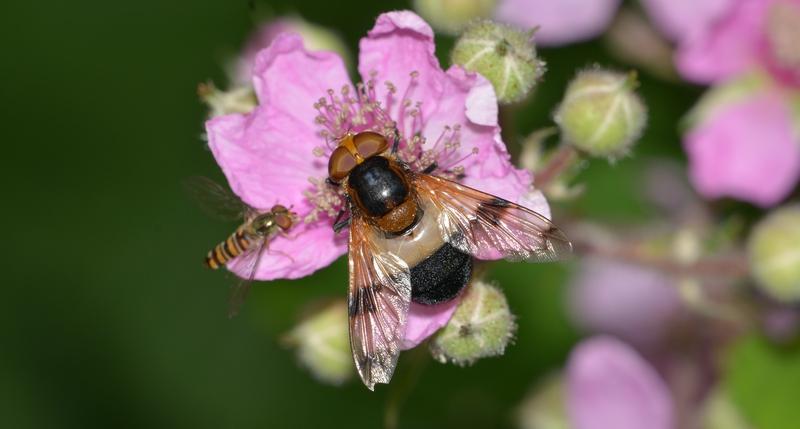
column 488, row 227
column 215, row 200
column 378, row 297
column 244, row 270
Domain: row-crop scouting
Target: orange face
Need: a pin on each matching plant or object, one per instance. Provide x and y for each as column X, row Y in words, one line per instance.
column 283, row 217
column 353, row 150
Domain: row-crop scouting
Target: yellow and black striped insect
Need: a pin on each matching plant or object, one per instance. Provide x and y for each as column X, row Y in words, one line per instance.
column 242, row 251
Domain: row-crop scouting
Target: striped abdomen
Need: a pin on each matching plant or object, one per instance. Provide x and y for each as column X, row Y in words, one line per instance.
column 237, row 243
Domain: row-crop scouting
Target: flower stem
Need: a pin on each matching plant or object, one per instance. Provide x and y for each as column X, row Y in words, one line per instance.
column 559, row 161
column 589, row 239
column 417, row 361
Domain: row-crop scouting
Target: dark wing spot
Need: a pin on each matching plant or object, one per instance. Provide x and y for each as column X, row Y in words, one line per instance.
column 363, row 300
column 499, row 202
column 488, row 212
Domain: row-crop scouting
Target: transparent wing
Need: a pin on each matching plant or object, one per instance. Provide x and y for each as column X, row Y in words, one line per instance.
column 488, row 227
column 378, row 296
column 215, row 200
column 244, row 269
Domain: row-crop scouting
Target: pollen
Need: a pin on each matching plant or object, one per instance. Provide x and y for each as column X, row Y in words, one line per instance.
column 325, row 199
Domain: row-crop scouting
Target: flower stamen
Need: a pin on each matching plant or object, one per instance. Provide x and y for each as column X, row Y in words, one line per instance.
column 357, row 109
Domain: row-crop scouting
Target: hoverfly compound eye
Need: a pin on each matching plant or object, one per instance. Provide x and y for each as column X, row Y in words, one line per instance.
column 340, row 164
column 369, row 143
column 283, row 221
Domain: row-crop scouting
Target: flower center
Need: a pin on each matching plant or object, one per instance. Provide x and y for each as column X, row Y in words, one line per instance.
column 783, row 31
column 361, row 110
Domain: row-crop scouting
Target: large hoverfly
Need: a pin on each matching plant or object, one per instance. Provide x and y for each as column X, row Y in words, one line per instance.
column 245, row 246
column 412, row 238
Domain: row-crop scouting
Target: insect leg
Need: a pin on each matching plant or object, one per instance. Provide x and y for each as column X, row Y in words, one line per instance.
column 266, row 244
column 339, row 226
column 430, row 169
column 289, row 236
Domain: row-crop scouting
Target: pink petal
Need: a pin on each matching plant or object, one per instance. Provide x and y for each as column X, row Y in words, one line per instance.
column 469, row 100
column 291, row 80
column 677, row 19
column 631, row 302
column 267, row 155
column 263, row 173
column 535, row 201
column 260, row 39
column 747, row 152
column 399, row 44
column 609, row 386
column 561, row 22
column 425, row 320
column 727, row 47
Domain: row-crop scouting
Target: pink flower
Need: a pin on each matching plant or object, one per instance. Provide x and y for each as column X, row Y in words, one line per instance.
column 609, row 386
column 750, row 35
column 746, row 151
column 631, row 302
column 560, row 22
column 306, row 100
column 315, row 38
column 569, row 21
column 679, row 19
column 745, row 141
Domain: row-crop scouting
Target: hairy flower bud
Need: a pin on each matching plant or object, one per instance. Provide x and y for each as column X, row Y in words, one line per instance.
column 774, row 252
column 237, row 100
column 450, row 16
column 543, row 407
column 322, row 342
column 503, row 54
column 719, row 412
column 481, row 327
column 601, row 114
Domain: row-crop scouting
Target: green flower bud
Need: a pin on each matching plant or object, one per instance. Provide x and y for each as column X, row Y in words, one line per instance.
column 601, row 114
column 504, row 55
column 544, row 407
column 322, row 342
column 774, row 253
column 481, row 327
column 238, row 100
column 450, row 16
column 719, row 412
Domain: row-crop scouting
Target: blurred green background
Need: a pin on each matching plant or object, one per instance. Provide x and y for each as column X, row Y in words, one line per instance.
column 107, row 316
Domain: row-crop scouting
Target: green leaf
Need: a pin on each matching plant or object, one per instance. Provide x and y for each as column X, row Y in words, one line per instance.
column 763, row 380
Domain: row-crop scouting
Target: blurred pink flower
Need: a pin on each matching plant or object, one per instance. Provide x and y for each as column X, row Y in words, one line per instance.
column 609, row 386
column 560, row 22
column 747, row 151
column 259, row 39
column 750, row 35
column 679, row 19
column 631, row 302
column 746, row 143
column 569, row 21
column 306, row 100
column 315, row 38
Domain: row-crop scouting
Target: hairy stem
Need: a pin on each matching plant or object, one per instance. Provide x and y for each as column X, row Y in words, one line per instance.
column 560, row 160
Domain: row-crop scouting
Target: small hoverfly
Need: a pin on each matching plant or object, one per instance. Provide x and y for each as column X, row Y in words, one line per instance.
column 412, row 238
column 250, row 240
